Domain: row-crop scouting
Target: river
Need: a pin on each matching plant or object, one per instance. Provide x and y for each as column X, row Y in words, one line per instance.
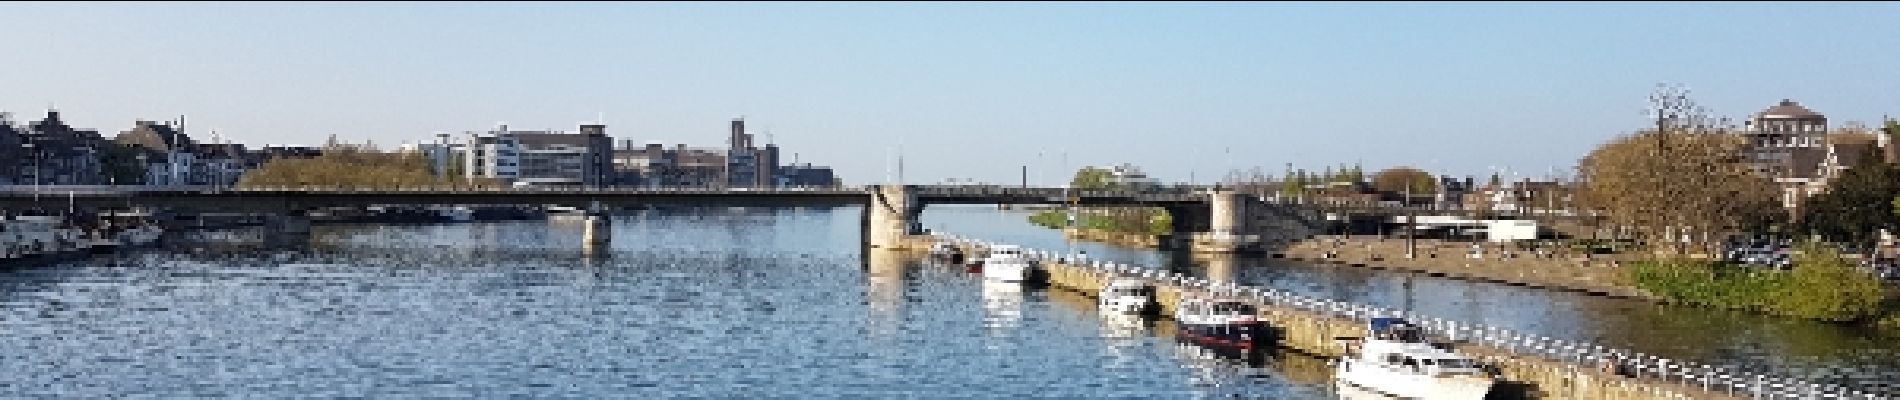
column 714, row 303
column 731, row 303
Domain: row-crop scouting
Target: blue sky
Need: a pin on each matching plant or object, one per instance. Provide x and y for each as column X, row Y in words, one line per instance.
column 966, row 90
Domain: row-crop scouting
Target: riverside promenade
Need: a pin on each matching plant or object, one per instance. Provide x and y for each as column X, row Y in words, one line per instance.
column 1490, row 262
column 1534, row 366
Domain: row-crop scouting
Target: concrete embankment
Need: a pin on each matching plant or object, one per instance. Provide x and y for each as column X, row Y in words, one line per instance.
column 1492, row 262
column 1529, row 366
column 1115, row 238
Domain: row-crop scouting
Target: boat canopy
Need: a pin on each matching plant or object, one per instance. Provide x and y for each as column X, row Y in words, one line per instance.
column 1395, row 329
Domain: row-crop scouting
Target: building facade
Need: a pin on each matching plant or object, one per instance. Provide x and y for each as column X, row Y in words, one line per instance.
column 169, row 154
column 58, row 154
column 541, row 158
column 807, row 175
column 747, row 165
column 12, row 150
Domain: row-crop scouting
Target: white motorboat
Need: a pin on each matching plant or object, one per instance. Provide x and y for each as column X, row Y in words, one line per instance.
column 1126, row 297
column 1008, row 264
column 1219, row 323
column 1395, row 360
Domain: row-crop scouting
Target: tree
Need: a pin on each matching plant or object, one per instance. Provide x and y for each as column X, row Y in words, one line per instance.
column 1290, row 185
column 1675, row 184
column 1826, row 286
column 1090, row 178
column 1851, row 211
column 1404, row 179
column 345, row 166
column 1685, row 180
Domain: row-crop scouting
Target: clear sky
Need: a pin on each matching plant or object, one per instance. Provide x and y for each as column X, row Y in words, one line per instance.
column 961, row 90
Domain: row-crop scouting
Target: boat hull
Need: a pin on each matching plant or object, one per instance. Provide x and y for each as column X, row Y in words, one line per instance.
column 1242, row 337
column 1393, row 383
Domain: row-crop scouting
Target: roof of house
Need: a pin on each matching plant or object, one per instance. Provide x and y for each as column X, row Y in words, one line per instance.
column 155, row 136
column 1788, row 109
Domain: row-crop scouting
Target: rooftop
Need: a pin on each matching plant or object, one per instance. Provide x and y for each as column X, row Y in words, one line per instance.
column 1788, row 109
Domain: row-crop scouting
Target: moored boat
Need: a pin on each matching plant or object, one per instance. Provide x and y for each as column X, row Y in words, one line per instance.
column 1008, row 264
column 1126, row 297
column 1395, row 360
column 1219, row 323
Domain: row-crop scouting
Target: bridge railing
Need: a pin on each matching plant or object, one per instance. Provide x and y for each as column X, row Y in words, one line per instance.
column 1725, row 379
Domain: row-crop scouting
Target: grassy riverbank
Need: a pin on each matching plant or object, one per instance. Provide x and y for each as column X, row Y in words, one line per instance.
column 1823, row 286
column 1138, row 221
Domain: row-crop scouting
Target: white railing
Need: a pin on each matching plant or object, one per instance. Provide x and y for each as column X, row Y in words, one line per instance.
column 1708, row 377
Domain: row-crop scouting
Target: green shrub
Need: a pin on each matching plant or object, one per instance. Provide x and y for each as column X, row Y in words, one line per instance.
column 1143, row 221
column 1822, row 286
column 1826, row 286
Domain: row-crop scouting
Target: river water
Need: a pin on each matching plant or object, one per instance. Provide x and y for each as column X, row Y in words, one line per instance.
column 773, row 304
column 726, row 303
column 1819, row 352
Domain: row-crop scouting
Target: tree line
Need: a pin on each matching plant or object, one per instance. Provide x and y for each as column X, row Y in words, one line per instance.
column 342, row 166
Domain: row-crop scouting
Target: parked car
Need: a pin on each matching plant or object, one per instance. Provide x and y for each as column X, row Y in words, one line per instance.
column 1770, row 255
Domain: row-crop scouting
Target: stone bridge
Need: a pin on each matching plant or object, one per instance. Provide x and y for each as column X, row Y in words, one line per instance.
column 1205, row 219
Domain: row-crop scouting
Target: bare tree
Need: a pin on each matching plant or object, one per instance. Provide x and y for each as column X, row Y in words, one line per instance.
column 1686, row 181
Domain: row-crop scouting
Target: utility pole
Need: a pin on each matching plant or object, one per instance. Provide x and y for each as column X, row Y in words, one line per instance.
column 1411, row 220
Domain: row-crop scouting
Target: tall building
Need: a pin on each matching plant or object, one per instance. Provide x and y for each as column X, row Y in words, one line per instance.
column 541, row 158
column 1788, row 143
column 748, row 165
column 1785, row 138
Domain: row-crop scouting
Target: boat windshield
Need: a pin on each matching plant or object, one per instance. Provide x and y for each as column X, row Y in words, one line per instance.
column 1401, row 333
column 1233, row 308
column 1456, row 363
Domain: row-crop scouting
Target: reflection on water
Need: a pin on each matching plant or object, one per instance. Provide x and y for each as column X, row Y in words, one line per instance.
column 885, row 291
column 1002, row 306
column 1780, row 346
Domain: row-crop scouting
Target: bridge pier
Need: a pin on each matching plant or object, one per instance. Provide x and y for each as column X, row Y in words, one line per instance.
column 1224, row 216
column 597, row 228
column 890, row 219
column 598, row 231
column 1237, row 223
column 1221, row 268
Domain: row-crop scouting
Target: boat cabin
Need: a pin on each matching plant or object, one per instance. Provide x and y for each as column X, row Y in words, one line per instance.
column 1396, row 329
column 1217, row 308
column 1128, row 287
